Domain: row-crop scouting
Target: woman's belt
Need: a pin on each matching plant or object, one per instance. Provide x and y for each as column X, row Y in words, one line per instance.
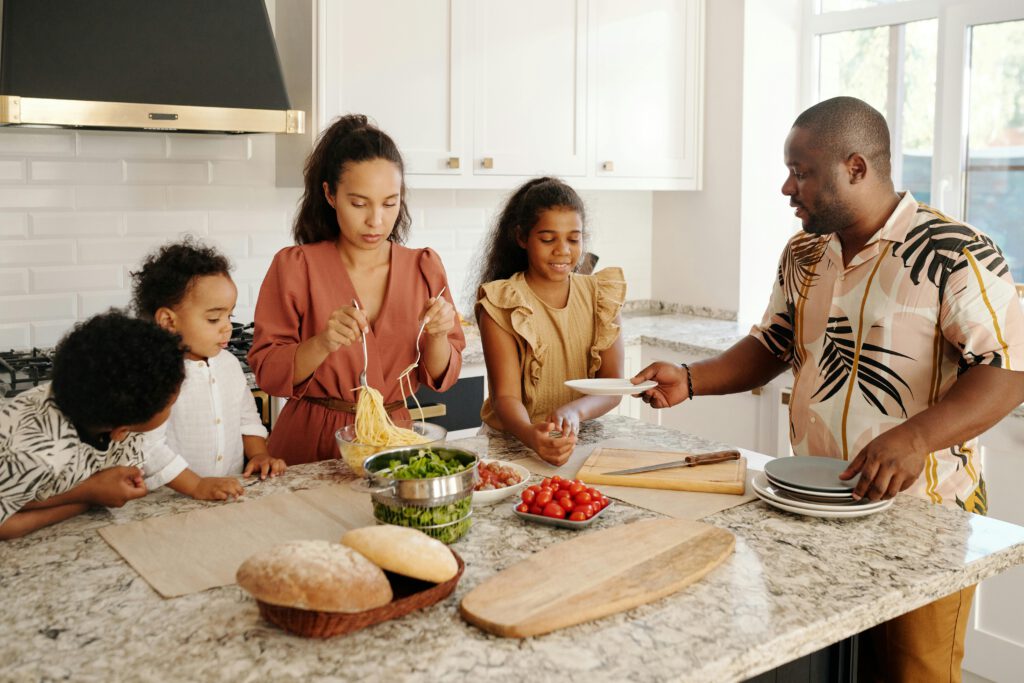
column 348, row 406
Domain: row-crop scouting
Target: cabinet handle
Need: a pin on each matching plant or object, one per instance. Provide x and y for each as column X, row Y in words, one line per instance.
column 488, row 162
column 453, row 162
column 608, row 166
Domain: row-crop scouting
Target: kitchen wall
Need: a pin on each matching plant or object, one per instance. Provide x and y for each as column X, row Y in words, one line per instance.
column 79, row 209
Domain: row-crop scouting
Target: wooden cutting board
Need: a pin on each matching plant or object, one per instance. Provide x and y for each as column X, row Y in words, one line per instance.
column 719, row 477
column 596, row 574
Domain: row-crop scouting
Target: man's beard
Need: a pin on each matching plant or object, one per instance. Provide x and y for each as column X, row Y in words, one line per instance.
column 829, row 215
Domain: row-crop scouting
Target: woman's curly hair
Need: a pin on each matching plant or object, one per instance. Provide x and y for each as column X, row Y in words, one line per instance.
column 167, row 274
column 114, row 370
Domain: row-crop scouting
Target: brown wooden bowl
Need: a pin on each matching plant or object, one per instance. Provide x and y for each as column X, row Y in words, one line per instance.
column 409, row 595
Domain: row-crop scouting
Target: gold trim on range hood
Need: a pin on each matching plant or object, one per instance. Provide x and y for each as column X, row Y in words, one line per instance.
column 34, row 111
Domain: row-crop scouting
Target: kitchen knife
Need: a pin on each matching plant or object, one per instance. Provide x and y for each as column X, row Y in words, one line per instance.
column 688, row 461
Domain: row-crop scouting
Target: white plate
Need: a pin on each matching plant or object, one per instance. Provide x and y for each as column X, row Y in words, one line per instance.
column 609, row 386
column 768, row 492
column 821, row 496
column 494, row 495
column 814, row 473
column 840, row 513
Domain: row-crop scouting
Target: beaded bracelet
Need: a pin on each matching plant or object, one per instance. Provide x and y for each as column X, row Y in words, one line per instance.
column 689, row 380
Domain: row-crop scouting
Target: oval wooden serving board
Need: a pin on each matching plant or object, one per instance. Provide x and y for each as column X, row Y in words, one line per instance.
column 601, row 573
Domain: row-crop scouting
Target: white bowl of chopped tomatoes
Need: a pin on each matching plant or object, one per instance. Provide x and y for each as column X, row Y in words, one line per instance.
column 497, row 480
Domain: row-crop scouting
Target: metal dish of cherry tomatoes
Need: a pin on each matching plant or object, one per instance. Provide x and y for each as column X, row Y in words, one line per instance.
column 566, row 503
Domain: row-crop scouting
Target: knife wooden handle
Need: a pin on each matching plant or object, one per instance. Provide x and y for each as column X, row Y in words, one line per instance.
column 716, row 456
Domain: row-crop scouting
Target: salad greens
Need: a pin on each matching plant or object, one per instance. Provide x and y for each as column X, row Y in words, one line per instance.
column 455, row 518
column 424, row 465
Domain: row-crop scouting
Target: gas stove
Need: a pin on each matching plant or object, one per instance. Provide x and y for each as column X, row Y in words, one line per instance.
column 21, row 370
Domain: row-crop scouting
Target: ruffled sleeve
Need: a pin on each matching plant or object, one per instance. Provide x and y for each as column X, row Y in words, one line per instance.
column 609, row 296
column 509, row 309
column 435, row 277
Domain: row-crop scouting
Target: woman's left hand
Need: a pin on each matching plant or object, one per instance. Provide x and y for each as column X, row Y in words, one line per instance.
column 440, row 317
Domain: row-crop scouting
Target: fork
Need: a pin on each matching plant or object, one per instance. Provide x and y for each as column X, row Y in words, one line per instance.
column 405, row 373
column 362, row 375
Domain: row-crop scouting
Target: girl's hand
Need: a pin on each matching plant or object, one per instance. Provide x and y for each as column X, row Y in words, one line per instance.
column 345, row 326
column 217, row 488
column 439, row 316
column 566, row 420
column 265, row 466
column 551, row 449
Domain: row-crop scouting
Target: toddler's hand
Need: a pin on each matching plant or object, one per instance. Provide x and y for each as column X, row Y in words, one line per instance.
column 115, row 486
column 265, row 466
column 554, row 450
column 440, row 316
column 217, row 488
column 343, row 327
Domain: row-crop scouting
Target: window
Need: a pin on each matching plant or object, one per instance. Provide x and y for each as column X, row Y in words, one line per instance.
column 899, row 55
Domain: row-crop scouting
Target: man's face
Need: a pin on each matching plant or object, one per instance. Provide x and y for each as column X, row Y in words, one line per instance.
column 813, row 186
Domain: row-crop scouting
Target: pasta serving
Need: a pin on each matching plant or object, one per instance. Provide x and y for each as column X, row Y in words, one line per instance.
column 373, row 425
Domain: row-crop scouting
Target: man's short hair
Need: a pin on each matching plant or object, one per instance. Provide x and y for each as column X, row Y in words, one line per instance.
column 113, row 371
column 845, row 125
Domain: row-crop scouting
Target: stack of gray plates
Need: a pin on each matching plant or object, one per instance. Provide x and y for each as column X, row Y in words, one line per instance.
column 810, row 485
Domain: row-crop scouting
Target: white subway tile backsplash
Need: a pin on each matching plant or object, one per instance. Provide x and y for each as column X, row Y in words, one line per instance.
column 76, row 278
column 97, row 302
column 12, row 171
column 268, row 245
column 15, row 142
column 276, row 222
column 166, row 172
column 123, row 197
column 470, row 239
column 209, row 197
column 126, row 250
column 15, row 336
column 77, row 171
column 220, row 147
column 438, row 240
column 45, row 335
column 13, row 224
column 453, row 218
column 77, row 223
column 13, row 281
column 111, row 145
column 276, row 198
column 242, row 173
column 250, row 269
column 37, row 252
column 232, row 246
column 29, row 197
column 169, row 223
column 27, row 308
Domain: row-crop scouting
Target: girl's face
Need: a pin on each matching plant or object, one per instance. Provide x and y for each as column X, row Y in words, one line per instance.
column 367, row 201
column 554, row 244
column 203, row 318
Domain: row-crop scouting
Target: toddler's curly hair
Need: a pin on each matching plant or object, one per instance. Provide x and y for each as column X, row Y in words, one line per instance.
column 167, row 274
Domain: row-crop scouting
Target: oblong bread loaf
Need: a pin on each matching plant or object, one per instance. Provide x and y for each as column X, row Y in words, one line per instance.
column 315, row 575
column 405, row 551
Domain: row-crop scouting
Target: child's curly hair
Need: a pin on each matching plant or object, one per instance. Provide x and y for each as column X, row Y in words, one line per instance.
column 167, row 274
column 114, row 370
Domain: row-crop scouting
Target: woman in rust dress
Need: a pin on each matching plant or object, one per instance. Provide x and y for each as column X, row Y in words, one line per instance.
column 307, row 339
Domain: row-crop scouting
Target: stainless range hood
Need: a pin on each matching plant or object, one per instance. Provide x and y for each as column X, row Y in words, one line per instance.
column 184, row 65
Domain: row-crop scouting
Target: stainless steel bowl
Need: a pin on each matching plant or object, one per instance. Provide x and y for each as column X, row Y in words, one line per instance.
column 432, row 491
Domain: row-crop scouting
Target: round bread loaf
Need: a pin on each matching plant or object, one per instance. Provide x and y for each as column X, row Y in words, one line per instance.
column 405, row 551
column 315, row 575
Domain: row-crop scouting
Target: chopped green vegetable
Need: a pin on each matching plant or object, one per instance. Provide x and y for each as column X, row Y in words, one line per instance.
column 454, row 515
column 425, row 464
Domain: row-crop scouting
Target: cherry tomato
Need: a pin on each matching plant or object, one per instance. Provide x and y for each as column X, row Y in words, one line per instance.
column 583, row 498
column 566, row 503
column 564, row 485
column 543, row 498
column 535, row 488
column 576, row 488
column 523, row 507
column 577, row 517
column 536, row 510
column 554, row 510
column 529, row 495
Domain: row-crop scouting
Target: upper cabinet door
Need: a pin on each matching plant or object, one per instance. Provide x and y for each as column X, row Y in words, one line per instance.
column 646, row 75
column 400, row 63
column 530, row 87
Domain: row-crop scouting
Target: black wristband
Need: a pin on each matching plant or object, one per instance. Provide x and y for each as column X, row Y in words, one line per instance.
column 689, row 379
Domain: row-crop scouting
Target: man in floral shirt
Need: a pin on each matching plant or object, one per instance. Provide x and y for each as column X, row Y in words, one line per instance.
column 905, row 336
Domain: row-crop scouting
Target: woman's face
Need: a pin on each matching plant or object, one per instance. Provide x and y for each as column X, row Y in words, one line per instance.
column 366, row 202
column 554, row 244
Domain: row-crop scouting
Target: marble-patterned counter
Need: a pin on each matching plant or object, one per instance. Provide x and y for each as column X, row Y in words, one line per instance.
column 73, row 610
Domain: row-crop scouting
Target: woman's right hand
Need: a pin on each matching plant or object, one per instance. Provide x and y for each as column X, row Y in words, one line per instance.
column 343, row 327
column 551, row 449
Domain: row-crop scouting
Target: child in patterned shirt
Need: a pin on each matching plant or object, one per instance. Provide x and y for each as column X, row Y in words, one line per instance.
column 77, row 441
column 185, row 287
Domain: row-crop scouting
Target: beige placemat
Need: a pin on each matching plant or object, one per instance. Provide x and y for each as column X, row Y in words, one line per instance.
column 690, row 505
column 193, row 551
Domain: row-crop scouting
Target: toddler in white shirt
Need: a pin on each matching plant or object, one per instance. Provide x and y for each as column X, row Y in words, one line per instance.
column 214, row 426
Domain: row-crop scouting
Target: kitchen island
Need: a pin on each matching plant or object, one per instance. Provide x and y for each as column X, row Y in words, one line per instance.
column 73, row 609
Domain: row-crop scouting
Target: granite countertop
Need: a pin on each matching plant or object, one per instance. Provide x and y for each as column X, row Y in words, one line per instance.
column 74, row 610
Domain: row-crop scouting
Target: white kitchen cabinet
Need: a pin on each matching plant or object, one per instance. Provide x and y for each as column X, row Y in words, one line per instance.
column 646, row 58
column 995, row 634
column 481, row 94
column 403, row 64
column 632, row 364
